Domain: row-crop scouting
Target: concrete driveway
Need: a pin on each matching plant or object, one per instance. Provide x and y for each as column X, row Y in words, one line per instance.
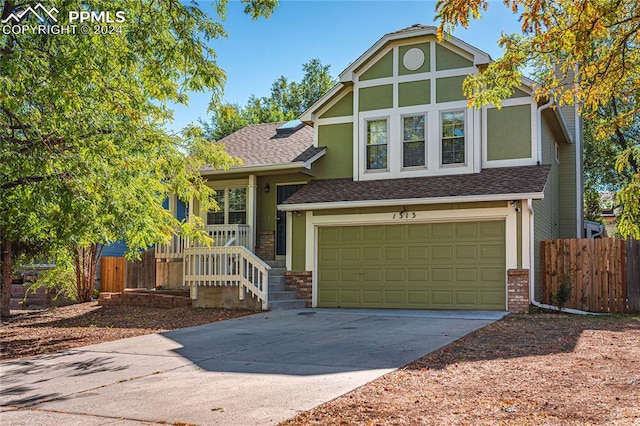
column 254, row 370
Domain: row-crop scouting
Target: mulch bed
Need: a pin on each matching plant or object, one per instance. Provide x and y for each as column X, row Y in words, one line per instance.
column 27, row 333
column 541, row 369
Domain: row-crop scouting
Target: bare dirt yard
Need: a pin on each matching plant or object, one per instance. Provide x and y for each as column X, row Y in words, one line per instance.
column 539, row 369
column 29, row 333
column 536, row 369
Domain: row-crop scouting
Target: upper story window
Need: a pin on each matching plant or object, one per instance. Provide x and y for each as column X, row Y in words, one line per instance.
column 233, row 207
column 377, row 144
column 413, row 140
column 453, row 141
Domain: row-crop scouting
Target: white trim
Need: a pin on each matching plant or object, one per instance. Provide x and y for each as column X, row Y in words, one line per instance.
column 579, row 177
column 264, row 168
column 532, row 252
column 409, row 201
column 459, row 215
column 467, row 160
column 288, row 241
column 307, row 164
column 332, row 120
column 309, row 114
column 526, row 235
column 526, row 161
column 252, row 192
column 356, row 136
column 327, row 106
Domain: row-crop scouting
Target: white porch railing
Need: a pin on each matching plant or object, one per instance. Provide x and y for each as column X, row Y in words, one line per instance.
column 227, row 266
column 221, row 235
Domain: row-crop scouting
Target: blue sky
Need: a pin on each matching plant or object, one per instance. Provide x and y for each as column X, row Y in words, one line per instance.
column 336, row 32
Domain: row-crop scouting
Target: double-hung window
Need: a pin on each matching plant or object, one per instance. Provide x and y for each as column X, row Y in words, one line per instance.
column 233, row 207
column 413, row 140
column 377, row 144
column 453, row 141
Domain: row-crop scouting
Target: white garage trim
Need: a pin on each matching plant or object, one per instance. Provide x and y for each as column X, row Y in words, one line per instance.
column 508, row 214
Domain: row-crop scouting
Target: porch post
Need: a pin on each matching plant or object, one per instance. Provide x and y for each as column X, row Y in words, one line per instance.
column 251, row 210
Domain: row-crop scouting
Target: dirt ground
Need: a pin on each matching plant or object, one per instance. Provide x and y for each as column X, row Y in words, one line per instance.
column 29, row 333
column 536, row 369
column 540, row 369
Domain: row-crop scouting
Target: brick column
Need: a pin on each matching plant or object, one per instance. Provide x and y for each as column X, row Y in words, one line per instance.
column 301, row 283
column 266, row 247
column 518, row 290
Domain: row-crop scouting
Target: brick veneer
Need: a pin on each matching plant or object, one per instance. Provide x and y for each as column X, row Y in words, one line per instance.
column 301, row 283
column 518, row 290
column 266, row 248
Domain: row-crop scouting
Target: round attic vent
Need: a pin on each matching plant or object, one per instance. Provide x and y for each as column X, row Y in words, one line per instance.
column 413, row 59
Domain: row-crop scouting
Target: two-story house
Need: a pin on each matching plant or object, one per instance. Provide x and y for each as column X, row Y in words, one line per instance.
column 390, row 192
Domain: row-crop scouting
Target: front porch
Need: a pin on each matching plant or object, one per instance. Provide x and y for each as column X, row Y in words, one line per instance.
column 227, row 273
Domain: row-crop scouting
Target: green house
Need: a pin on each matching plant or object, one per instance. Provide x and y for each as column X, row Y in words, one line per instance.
column 390, row 192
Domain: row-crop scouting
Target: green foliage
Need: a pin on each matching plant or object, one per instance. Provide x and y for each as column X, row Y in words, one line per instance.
column 288, row 99
column 592, row 206
column 563, row 293
column 85, row 158
column 60, row 281
column 587, row 54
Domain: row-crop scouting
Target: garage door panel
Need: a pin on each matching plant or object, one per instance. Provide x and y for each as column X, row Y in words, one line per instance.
column 452, row 266
column 394, row 275
column 372, row 253
column 442, row 253
column 466, row 297
column 394, row 253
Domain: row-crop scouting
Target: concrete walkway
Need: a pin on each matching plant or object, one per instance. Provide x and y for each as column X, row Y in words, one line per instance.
column 255, row 370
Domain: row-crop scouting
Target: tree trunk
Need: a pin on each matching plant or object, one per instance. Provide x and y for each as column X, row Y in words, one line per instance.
column 86, row 261
column 6, row 279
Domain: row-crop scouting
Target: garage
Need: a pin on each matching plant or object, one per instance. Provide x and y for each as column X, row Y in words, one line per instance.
column 458, row 265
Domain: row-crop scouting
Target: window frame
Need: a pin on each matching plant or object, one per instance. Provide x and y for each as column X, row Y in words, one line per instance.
column 442, row 138
column 425, row 117
column 366, row 144
column 225, row 207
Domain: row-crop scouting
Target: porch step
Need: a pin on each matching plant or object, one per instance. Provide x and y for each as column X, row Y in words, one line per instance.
column 277, row 264
column 279, row 297
column 275, row 305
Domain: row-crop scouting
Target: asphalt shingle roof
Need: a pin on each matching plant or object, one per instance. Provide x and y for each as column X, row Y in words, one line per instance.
column 495, row 181
column 259, row 144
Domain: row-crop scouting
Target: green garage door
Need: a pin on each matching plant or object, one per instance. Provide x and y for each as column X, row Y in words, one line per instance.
column 419, row 266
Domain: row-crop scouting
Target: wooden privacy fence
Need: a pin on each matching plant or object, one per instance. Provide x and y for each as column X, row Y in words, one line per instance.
column 142, row 273
column 116, row 273
column 112, row 274
column 603, row 274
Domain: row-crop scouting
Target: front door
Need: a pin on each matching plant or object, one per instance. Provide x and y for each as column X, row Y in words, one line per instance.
column 283, row 192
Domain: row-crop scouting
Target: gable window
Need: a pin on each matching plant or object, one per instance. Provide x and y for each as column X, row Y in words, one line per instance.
column 233, row 207
column 413, row 140
column 453, row 144
column 377, row 143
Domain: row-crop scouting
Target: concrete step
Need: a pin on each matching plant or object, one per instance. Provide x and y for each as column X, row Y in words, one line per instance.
column 275, row 305
column 282, row 295
column 277, row 272
column 276, row 279
column 276, row 286
column 277, row 263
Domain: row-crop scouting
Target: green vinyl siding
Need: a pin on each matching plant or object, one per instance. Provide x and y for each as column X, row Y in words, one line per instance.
column 547, row 210
column 298, row 247
column 338, row 161
column 382, row 68
column 447, row 60
column 567, row 191
column 449, row 89
column 417, row 266
column 517, row 93
column 376, row 97
column 343, row 107
column 414, row 93
column 426, row 67
column 266, row 201
column 509, row 133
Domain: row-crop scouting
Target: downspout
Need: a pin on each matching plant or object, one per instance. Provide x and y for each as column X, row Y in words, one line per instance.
column 539, row 127
column 532, row 264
